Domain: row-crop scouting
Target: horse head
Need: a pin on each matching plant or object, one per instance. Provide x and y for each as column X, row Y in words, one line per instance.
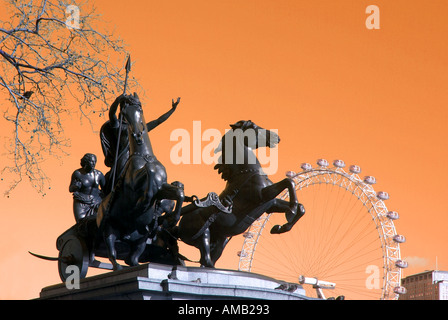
column 237, row 146
column 132, row 112
column 249, row 134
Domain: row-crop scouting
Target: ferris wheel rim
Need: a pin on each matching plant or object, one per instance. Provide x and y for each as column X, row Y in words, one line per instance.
column 378, row 210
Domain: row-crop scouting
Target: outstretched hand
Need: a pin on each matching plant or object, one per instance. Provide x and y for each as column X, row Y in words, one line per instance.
column 174, row 104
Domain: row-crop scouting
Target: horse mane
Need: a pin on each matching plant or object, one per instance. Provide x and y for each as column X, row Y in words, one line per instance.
column 131, row 100
column 223, row 168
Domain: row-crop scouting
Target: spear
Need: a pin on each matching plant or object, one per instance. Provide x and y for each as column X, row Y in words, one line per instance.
column 128, row 69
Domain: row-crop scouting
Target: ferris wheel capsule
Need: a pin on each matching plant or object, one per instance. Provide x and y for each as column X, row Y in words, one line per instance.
column 382, row 195
column 322, row 162
column 370, row 180
column 241, row 254
column 290, row 174
column 306, row 166
column 399, row 238
column 401, row 264
column 248, row 235
column 392, row 215
column 355, row 169
column 339, row 163
column 400, row 290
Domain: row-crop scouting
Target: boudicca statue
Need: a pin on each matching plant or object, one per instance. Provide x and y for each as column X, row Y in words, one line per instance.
column 138, row 216
column 127, row 212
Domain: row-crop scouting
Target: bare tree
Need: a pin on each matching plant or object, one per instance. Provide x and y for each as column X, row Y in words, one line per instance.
column 52, row 54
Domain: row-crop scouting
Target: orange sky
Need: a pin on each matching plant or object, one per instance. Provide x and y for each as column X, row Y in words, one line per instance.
column 310, row 69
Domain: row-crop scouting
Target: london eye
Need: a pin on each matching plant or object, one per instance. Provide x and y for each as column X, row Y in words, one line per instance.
column 347, row 237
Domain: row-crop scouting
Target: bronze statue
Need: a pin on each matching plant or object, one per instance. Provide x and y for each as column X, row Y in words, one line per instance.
column 134, row 214
column 144, row 206
column 164, row 229
column 127, row 211
column 248, row 194
column 116, row 128
column 86, row 185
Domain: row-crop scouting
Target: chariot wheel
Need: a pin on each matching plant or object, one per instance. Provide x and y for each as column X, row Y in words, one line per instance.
column 73, row 252
column 347, row 237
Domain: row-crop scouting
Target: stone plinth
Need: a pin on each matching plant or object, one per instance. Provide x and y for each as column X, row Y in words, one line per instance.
column 163, row 282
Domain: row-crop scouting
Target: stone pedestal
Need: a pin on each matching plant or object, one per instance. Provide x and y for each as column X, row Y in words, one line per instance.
column 163, row 282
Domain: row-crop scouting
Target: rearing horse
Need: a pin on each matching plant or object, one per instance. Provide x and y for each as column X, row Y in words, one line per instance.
column 127, row 212
column 248, row 191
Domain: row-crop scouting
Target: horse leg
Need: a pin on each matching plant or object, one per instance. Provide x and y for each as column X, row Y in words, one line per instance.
column 109, row 238
column 272, row 191
column 171, row 192
column 280, row 205
column 293, row 210
column 218, row 248
column 137, row 249
column 204, row 248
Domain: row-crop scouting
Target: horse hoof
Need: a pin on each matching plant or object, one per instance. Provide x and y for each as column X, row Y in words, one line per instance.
column 276, row 229
column 131, row 262
column 281, row 229
column 207, row 264
column 118, row 267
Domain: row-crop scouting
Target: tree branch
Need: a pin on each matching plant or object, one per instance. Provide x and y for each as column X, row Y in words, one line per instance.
column 45, row 66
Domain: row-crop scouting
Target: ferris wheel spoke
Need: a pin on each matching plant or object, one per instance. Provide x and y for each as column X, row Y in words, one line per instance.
column 351, row 243
column 270, row 252
column 332, row 246
column 337, row 247
column 358, row 254
column 351, row 268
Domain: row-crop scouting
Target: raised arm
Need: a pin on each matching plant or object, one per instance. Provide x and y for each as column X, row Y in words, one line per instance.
column 113, row 110
column 154, row 123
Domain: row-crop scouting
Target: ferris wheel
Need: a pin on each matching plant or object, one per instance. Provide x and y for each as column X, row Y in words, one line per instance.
column 347, row 237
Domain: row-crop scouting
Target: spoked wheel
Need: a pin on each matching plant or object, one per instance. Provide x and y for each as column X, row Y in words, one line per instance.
column 346, row 238
column 73, row 252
